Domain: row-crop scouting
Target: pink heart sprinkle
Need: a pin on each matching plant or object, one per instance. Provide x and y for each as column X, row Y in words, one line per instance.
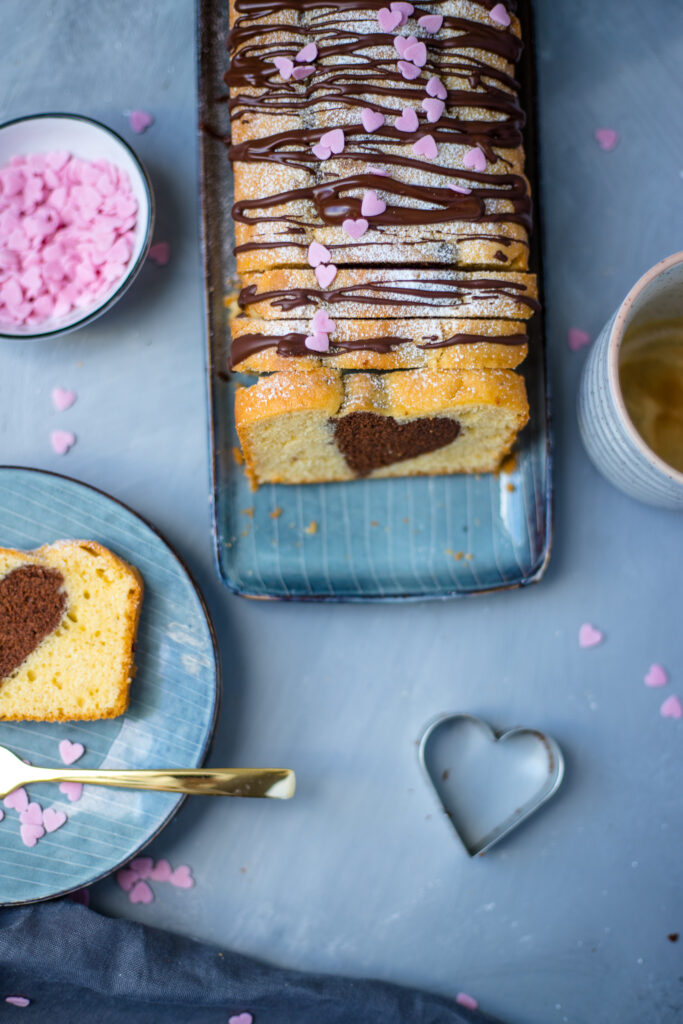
column 409, row 71
column 671, row 708
column 589, row 636
column 435, row 87
column 469, row 1001
column 33, row 815
column 417, row 53
column 317, row 254
column 402, row 8
column 63, row 399
column 70, row 752
column 372, row 205
column 126, row 879
column 500, row 15
column 430, row 22
column 161, row 872
column 321, row 323
column 241, row 1018
column 656, row 676
column 433, row 108
column 142, row 866
column 160, row 253
column 372, row 119
column 302, row 71
column 334, row 140
column 17, row 800
column 462, row 189
column 285, row 66
column 62, row 440
column 606, row 138
column 141, row 893
column 401, row 43
column 355, row 228
column 407, row 122
column 182, row 877
column 378, row 170
column 316, row 343
column 140, row 121
column 19, row 1001
column 426, row 146
column 325, row 274
column 322, row 152
column 53, row 819
column 388, row 20
column 30, row 834
column 576, row 338
column 474, row 159
column 308, row 53
column 72, row 790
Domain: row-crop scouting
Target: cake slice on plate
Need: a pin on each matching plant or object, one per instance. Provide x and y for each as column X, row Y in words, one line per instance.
column 68, row 623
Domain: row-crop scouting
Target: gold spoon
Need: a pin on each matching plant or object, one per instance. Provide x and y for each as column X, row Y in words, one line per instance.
column 278, row 783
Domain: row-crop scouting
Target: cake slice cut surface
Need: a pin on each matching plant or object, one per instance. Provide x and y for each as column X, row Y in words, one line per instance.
column 324, row 425
column 68, row 622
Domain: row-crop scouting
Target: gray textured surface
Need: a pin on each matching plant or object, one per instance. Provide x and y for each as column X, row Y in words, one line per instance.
column 568, row 920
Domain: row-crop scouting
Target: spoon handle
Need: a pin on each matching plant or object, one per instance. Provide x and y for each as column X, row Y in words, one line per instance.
column 279, row 783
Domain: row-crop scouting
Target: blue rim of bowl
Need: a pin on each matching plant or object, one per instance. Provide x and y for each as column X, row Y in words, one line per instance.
column 132, row 271
column 211, row 732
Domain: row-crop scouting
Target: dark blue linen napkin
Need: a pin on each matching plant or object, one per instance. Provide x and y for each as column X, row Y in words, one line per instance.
column 77, row 966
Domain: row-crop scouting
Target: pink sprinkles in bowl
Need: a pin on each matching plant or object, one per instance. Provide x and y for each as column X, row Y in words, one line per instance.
column 67, row 228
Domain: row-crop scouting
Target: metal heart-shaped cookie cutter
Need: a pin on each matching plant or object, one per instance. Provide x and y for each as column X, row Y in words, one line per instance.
column 488, row 782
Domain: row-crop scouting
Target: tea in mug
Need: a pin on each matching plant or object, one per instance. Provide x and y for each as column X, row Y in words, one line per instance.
column 651, row 378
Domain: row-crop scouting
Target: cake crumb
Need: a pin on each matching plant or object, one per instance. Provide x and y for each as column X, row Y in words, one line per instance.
column 457, row 555
column 237, row 456
column 276, row 513
column 510, row 488
column 311, row 528
column 469, row 557
column 405, row 519
column 248, row 511
column 374, row 523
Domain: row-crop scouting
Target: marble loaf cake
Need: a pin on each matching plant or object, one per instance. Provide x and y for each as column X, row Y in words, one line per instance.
column 382, row 221
column 68, row 623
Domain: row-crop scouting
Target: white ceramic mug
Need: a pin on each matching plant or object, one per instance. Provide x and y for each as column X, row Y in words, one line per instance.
column 611, row 440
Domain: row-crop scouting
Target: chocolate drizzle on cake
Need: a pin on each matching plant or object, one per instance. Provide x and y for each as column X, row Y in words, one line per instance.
column 32, row 605
column 356, row 69
column 293, row 344
column 434, row 292
column 368, row 441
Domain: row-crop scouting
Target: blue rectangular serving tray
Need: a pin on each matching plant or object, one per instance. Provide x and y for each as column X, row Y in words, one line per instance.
column 381, row 540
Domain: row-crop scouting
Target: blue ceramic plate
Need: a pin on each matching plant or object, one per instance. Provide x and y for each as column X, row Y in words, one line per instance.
column 174, row 696
column 367, row 540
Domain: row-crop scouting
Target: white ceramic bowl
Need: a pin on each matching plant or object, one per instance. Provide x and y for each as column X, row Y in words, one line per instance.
column 90, row 140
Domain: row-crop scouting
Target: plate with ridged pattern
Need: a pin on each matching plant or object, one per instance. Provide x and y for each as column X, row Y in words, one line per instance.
column 174, row 695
